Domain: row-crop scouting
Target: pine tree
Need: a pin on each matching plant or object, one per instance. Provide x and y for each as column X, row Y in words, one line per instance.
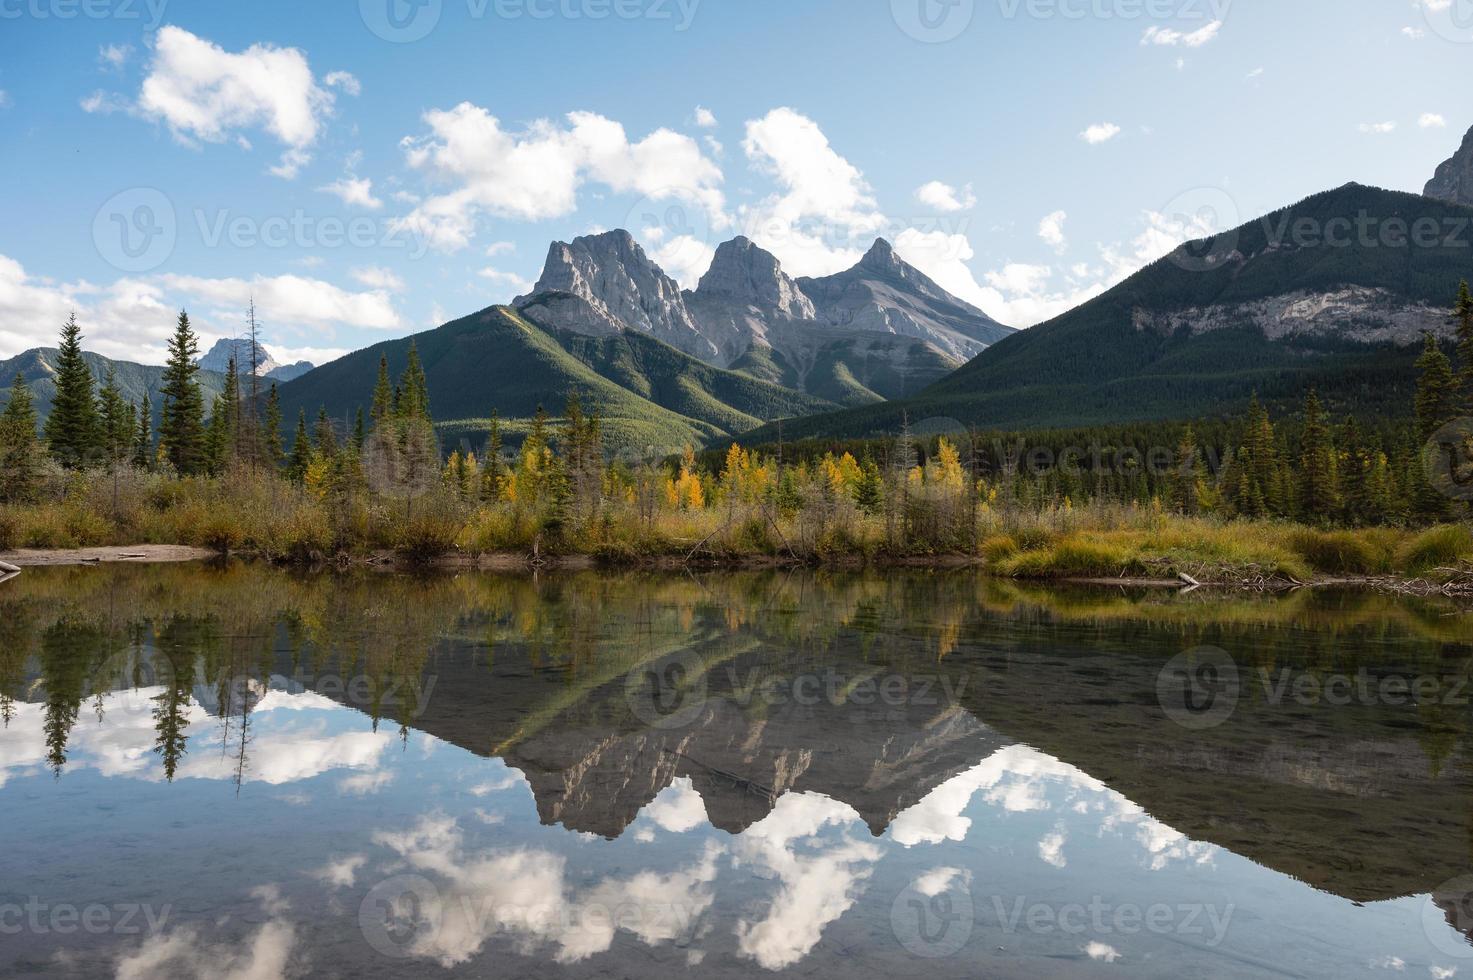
column 1318, row 496
column 493, row 475
column 71, row 428
column 414, row 395
column 143, row 436
column 383, row 394
column 301, row 457
column 360, row 433
column 273, row 447
column 1463, row 312
column 20, row 452
column 1185, row 476
column 325, row 438
column 116, row 422
column 182, row 428
column 1435, row 389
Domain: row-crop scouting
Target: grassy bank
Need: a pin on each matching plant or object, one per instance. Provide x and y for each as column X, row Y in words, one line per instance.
column 263, row 515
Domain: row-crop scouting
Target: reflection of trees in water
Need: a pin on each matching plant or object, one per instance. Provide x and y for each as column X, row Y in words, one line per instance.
column 220, row 633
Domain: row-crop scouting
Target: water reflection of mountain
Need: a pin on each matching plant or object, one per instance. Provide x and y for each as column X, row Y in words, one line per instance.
column 555, row 677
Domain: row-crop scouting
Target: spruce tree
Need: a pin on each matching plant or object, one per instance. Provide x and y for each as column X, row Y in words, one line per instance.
column 20, row 452
column 1463, row 315
column 143, row 436
column 273, row 447
column 71, row 428
column 116, row 421
column 1436, row 391
column 301, row 457
column 325, row 438
column 182, row 428
column 360, row 433
column 383, row 394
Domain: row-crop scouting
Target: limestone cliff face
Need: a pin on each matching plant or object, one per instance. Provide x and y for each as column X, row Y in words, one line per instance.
column 602, row 284
column 1453, row 181
column 880, row 330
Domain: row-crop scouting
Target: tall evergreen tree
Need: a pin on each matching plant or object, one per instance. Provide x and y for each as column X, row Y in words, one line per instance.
column 272, row 442
column 1318, row 497
column 324, row 436
column 143, row 436
column 1463, row 313
column 182, row 428
column 301, row 457
column 71, row 428
column 383, row 394
column 414, row 397
column 20, row 452
column 1435, row 389
column 116, row 421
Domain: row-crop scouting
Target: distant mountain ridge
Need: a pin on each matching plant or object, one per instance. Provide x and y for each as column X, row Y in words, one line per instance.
column 1262, row 308
column 746, row 310
column 38, row 366
column 217, row 359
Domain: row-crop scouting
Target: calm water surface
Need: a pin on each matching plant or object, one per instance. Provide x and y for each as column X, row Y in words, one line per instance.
column 243, row 772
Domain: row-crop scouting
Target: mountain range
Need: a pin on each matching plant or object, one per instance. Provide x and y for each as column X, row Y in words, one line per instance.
column 1333, row 292
column 38, row 366
column 217, row 359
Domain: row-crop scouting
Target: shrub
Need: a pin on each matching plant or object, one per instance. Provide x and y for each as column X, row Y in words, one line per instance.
column 1340, row 552
column 1437, row 547
column 999, row 548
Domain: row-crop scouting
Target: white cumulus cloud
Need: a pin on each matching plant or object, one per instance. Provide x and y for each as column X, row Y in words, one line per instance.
column 1100, row 133
column 536, row 174
column 945, row 198
column 1170, row 38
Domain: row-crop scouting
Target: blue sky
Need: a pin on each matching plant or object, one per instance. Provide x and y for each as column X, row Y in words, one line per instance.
column 366, row 176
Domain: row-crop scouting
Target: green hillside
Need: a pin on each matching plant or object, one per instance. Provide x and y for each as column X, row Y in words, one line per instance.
column 649, row 395
column 849, row 368
column 1094, row 365
column 39, row 368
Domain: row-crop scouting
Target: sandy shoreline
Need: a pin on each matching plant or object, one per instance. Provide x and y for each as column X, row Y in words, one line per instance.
column 143, row 554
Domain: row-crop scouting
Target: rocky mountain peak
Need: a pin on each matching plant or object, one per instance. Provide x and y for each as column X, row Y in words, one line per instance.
column 743, row 273
column 1453, row 181
column 605, row 283
column 218, row 358
column 882, row 258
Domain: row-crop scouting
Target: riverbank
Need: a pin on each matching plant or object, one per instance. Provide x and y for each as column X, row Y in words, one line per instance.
column 1142, row 569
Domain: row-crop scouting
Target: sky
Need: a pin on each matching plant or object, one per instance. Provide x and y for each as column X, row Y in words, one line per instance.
column 369, row 169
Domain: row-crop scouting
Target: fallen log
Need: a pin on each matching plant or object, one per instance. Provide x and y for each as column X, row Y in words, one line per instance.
column 8, row 568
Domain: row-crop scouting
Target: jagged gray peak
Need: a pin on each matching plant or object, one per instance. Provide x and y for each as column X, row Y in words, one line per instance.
column 602, row 284
column 218, row 358
column 1453, row 181
column 887, row 294
column 744, row 273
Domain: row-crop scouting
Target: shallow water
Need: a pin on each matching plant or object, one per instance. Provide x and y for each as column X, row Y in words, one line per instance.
column 207, row 770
